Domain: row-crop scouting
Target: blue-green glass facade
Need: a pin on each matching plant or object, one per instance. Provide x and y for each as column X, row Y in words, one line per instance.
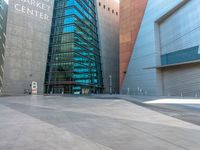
column 181, row 56
column 74, row 64
column 3, row 23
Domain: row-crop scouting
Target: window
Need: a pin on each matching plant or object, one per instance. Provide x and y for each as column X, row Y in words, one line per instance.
column 0, row 3
column 68, row 29
column 74, row 54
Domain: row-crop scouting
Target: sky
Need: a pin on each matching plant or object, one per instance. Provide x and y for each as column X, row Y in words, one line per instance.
column 6, row 1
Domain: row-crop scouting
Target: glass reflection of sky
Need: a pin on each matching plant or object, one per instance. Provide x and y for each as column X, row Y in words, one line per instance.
column 6, row 1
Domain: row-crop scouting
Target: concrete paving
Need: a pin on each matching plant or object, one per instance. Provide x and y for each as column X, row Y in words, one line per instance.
column 89, row 123
column 186, row 109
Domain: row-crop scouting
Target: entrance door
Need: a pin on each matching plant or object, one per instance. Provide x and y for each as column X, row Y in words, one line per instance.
column 58, row 90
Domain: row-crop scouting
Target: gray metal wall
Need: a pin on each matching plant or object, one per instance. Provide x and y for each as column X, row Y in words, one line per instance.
column 167, row 26
column 28, row 30
column 180, row 31
column 146, row 52
column 182, row 80
column 109, row 42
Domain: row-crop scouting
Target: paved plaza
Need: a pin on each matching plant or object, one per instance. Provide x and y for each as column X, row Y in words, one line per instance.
column 90, row 123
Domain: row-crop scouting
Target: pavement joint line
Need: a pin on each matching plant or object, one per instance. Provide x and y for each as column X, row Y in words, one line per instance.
column 159, row 109
column 117, row 120
column 162, row 139
column 90, row 112
column 88, row 136
column 94, row 142
column 52, row 125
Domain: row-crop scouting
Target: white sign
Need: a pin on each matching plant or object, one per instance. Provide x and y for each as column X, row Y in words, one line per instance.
column 37, row 8
column 34, row 87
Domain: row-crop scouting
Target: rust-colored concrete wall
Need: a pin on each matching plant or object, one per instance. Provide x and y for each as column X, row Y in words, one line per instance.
column 131, row 14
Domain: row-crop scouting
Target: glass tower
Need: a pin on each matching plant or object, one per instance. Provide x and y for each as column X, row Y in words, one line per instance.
column 3, row 22
column 74, row 65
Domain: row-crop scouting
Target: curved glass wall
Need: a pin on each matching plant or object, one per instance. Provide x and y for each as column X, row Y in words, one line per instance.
column 73, row 65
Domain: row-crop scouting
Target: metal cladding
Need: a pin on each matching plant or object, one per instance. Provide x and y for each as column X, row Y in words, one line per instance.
column 131, row 14
column 108, row 27
column 165, row 59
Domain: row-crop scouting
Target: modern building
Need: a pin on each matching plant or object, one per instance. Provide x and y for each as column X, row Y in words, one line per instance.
column 131, row 13
column 165, row 52
column 27, row 40
column 74, row 63
column 59, row 45
column 3, row 21
column 108, row 25
column 75, row 56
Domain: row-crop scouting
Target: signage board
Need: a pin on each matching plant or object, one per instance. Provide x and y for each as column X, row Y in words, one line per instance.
column 34, row 87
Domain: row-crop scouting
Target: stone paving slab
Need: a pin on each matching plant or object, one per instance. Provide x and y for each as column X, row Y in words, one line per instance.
column 81, row 123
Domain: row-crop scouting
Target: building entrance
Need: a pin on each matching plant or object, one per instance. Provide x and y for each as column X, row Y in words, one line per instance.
column 58, row 90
